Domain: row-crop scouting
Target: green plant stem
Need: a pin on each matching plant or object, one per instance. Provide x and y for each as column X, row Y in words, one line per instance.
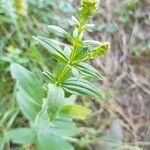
column 78, row 61
column 76, row 42
column 63, row 73
column 73, row 53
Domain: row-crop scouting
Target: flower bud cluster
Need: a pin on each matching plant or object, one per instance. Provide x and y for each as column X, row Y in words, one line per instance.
column 88, row 9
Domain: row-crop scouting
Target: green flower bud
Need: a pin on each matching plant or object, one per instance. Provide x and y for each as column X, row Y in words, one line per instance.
column 89, row 7
column 20, row 6
column 100, row 50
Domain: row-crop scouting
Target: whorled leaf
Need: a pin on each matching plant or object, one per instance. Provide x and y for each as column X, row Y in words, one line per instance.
column 87, row 70
column 92, row 42
column 59, row 31
column 81, row 87
column 54, row 49
column 48, row 76
column 81, row 52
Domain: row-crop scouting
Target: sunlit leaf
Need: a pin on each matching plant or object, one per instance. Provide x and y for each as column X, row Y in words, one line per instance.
column 75, row 111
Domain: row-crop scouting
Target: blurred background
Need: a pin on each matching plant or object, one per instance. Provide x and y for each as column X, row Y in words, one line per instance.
column 122, row 121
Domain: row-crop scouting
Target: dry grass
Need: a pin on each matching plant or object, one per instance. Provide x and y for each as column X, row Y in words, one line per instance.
column 127, row 76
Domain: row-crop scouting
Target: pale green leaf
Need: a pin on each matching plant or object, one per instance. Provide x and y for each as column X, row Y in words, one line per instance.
column 29, row 82
column 71, row 99
column 59, row 42
column 58, row 127
column 48, row 141
column 55, row 100
column 27, row 105
column 57, row 30
column 54, row 49
column 67, row 51
column 75, row 111
column 51, row 42
column 74, row 21
column 30, row 92
column 22, row 135
column 89, row 27
column 50, row 134
column 93, row 42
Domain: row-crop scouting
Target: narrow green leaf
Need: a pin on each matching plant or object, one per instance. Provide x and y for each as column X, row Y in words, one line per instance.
column 81, row 52
column 81, row 87
column 48, row 76
column 22, row 135
column 75, row 111
column 89, row 27
column 67, row 51
column 59, row 68
column 74, row 21
column 88, row 70
column 75, row 72
column 57, row 30
column 59, row 42
column 51, row 42
column 54, row 49
column 93, row 42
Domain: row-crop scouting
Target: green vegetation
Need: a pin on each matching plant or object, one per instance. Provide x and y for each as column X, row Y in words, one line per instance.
column 49, row 115
column 57, row 91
